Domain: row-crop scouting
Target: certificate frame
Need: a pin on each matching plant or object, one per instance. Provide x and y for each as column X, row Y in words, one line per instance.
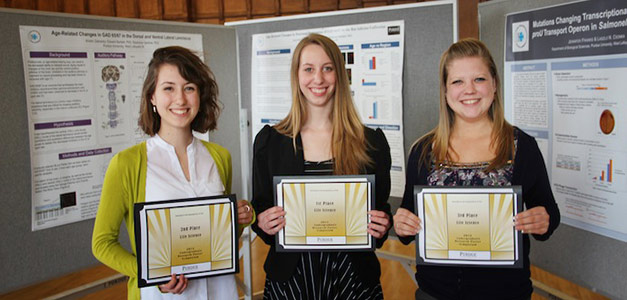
column 468, row 226
column 206, row 244
column 307, row 226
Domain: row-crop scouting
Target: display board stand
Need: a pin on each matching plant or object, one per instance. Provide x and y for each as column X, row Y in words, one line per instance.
column 30, row 257
column 34, row 256
column 423, row 49
column 588, row 259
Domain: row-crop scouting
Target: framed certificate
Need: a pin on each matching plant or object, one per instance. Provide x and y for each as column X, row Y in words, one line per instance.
column 470, row 226
column 194, row 237
column 325, row 213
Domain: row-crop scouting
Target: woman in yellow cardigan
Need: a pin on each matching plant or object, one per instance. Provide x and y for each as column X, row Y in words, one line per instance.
column 179, row 95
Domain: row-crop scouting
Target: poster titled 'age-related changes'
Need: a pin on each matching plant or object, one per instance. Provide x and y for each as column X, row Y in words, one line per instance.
column 83, row 90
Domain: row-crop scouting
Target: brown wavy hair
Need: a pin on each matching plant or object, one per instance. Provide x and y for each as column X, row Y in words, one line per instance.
column 502, row 132
column 194, row 70
column 348, row 141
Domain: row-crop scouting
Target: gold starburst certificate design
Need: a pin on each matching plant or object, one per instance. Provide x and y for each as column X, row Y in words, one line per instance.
column 469, row 226
column 325, row 213
column 195, row 237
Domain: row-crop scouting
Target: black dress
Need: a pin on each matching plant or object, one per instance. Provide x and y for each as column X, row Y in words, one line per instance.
column 528, row 170
column 325, row 275
column 322, row 275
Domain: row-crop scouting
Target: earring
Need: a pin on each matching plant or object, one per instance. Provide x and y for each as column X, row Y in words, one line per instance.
column 154, row 109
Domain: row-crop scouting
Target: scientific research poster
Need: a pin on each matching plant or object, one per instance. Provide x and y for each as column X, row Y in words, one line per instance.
column 566, row 84
column 83, row 92
column 373, row 54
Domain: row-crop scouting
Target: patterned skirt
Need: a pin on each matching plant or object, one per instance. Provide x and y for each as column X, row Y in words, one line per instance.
column 322, row 276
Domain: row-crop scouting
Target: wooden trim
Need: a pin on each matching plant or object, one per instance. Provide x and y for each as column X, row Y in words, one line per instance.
column 388, row 254
column 222, row 14
column 89, row 288
column 552, row 291
column 394, row 279
column 63, row 283
column 249, row 9
column 191, row 11
column 137, row 8
column 468, row 21
column 556, row 285
column 161, row 9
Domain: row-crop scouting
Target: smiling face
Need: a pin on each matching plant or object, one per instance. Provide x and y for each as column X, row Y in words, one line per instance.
column 316, row 76
column 176, row 99
column 470, row 88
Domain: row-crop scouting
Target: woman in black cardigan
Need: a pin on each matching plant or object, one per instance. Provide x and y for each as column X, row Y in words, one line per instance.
column 322, row 134
column 473, row 145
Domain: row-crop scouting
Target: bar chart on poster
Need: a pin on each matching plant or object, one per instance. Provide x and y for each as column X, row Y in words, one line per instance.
column 564, row 84
column 390, row 69
column 564, row 64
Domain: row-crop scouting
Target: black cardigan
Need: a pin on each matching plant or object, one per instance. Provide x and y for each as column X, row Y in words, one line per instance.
column 274, row 155
column 446, row 282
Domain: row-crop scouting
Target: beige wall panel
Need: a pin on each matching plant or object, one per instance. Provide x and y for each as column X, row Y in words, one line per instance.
column 292, row 14
column 292, row 6
column 264, row 7
column 74, row 6
column 49, row 5
column 23, row 4
column 323, row 5
column 126, row 9
column 375, row 3
column 101, row 7
column 209, row 21
column 176, row 19
column 175, row 9
column 263, row 17
column 207, row 9
column 469, row 16
column 235, row 8
column 233, row 19
column 348, row 4
column 149, row 9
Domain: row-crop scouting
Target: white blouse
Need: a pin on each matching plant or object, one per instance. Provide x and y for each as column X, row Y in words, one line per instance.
column 165, row 180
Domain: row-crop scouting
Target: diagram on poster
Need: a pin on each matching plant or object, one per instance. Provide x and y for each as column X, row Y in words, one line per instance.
column 83, row 92
column 565, row 74
column 373, row 56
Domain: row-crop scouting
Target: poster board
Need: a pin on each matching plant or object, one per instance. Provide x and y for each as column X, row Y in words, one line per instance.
column 61, row 250
column 423, row 49
column 586, row 258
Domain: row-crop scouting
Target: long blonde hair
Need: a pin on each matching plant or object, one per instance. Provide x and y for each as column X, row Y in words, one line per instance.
column 348, row 142
column 502, row 139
